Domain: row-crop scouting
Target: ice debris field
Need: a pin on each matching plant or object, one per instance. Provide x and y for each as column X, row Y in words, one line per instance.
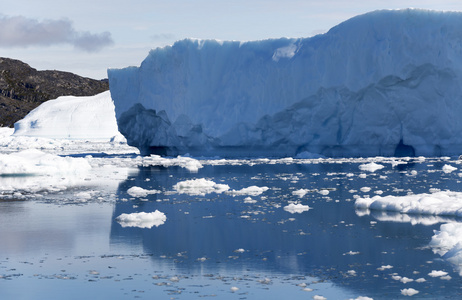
column 320, row 215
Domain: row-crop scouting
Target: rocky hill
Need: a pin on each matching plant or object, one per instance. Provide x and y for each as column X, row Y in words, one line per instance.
column 23, row 88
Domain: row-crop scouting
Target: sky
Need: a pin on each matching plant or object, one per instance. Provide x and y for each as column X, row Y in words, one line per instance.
column 87, row 37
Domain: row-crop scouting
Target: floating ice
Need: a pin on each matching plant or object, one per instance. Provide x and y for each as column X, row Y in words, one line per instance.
column 199, row 187
column 189, row 163
column 142, row 219
column 138, row 192
column 301, row 192
column 445, row 203
column 35, row 162
column 296, row 208
column 251, row 191
column 447, row 242
column 409, row 292
column 435, row 273
column 371, row 167
column 367, row 87
column 448, row 168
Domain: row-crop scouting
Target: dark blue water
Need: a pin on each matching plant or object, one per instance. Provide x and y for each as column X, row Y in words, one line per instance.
column 212, row 243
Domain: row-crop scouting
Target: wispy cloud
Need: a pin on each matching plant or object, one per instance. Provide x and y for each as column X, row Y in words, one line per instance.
column 19, row 31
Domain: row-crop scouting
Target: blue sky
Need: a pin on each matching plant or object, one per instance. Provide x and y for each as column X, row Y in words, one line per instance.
column 89, row 36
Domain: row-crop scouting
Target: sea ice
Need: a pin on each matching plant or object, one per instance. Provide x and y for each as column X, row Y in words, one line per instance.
column 199, row 187
column 447, row 242
column 296, row 208
column 409, row 292
column 448, row 168
column 445, row 203
column 436, row 273
column 251, row 191
column 371, row 167
column 142, row 219
column 35, row 162
column 139, row 192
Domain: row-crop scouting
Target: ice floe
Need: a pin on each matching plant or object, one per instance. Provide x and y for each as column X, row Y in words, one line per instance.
column 445, row 203
column 371, row 167
column 296, row 208
column 36, row 162
column 409, row 292
column 250, row 191
column 142, row 219
column 199, row 187
column 136, row 191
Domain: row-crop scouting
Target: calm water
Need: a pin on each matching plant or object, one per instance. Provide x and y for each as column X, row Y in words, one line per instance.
column 222, row 246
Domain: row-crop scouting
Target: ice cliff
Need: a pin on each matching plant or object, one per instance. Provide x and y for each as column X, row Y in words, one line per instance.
column 383, row 83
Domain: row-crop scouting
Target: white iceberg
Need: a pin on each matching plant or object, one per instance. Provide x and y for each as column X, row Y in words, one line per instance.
column 369, row 86
column 71, row 117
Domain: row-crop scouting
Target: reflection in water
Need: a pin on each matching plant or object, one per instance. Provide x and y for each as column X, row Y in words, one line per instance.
column 224, row 234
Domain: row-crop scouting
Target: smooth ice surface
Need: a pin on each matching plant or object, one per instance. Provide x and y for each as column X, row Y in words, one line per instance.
column 70, row 117
column 369, row 86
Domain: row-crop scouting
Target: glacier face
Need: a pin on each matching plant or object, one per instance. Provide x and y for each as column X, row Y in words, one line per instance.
column 383, row 83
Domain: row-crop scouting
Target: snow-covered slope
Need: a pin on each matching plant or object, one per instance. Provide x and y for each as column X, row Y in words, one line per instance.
column 383, row 83
column 72, row 117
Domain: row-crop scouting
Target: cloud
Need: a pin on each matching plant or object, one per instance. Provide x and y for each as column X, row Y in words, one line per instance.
column 19, row 31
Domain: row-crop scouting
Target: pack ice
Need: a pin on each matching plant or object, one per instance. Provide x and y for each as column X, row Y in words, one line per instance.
column 384, row 83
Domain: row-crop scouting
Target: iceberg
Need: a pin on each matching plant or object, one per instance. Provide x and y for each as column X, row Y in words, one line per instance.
column 385, row 83
column 71, row 117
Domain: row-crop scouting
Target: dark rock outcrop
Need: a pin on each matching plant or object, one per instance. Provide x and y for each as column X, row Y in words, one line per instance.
column 23, row 88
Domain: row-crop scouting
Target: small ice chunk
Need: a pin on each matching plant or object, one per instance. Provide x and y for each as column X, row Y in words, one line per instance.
column 142, row 219
column 324, row 192
column 300, row 193
column 371, row 167
column 139, row 192
column 249, row 200
column 251, row 191
column 296, row 208
column 365, row 189
column 351, row 272
column 448, row 168
column 409, row 292
column 406, row 280
column 386, row 267
column 199, row 187
column 234, row 289
column 436, row 273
